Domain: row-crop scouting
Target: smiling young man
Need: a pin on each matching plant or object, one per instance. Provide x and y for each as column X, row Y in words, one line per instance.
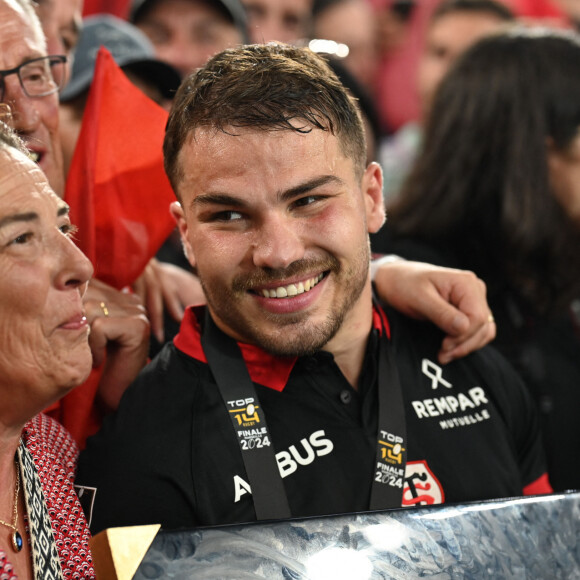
column 293, row 393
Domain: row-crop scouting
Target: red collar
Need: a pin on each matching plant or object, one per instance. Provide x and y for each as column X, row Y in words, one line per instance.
column 264, row 368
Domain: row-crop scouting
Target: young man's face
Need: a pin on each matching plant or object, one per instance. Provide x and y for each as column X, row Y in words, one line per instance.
column 276, row 223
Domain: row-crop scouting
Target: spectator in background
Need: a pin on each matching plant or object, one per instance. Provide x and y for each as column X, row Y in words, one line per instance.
column 61, row 22
column 405, row 29
column 496, row 189
column 392, row 20
column 350, row 22
column 281, row 20
column 132, row 51
column 367, row 108
column 185, row 33
column 454, row 26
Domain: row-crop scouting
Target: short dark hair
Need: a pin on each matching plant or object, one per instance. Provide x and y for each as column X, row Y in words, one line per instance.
column 483, row 173
column 492, row 7
column 269, row 87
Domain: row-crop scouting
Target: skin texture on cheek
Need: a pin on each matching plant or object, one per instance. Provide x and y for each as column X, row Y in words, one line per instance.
column 36, row 373
column 43, row 335
column 34, row 353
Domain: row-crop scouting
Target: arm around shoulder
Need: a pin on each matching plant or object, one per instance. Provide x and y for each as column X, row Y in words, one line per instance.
column 454, row 300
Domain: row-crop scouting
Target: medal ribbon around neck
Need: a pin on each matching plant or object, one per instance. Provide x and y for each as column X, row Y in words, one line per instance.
column 249, row 422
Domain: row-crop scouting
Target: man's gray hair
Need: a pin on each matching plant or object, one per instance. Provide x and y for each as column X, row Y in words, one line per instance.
column 28, row 8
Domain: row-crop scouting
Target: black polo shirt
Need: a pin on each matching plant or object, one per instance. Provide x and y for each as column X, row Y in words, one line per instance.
column 170, row 455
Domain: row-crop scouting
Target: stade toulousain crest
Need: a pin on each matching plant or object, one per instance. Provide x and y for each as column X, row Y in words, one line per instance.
column 421, row 486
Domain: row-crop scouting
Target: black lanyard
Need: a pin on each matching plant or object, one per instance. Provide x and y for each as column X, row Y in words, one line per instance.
column 249, row 422
column 391, row 458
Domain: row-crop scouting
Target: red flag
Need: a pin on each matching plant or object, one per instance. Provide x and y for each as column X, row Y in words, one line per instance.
column 116, row 186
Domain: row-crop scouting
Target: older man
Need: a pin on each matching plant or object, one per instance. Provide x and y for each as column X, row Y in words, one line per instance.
column 34, row 107
column 294, row 393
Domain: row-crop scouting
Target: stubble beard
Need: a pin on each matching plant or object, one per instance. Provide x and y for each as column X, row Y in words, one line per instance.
column 294, row 333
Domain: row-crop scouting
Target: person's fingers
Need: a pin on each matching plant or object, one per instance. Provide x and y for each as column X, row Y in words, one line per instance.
column 139, row 288
column 150, row 290
column 470, row 296
column 126, row 350
column 154, row 305
column 111, row 309
column 173, row 302
column 107, row 311
column 181, row 289
column 98, row 292
column 453, row 300
column 444, row 314
column 474, row 326
column 457, row 347
column 97, row 341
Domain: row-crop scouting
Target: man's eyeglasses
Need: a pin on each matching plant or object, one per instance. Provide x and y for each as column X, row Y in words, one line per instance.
column 38, row 77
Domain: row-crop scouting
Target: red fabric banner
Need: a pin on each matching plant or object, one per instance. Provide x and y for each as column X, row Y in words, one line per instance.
column 117, row 188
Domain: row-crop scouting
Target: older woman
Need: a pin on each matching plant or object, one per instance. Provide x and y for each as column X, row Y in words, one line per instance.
column 44, row 353
column 119, row 327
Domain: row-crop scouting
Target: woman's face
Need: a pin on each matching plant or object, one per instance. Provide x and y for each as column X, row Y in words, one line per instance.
column 564, row 166
column 44, row 348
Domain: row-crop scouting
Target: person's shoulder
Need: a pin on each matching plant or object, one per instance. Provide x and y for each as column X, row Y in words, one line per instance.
column 505, row 384
column 414, row 248
column 168, row 371
column 165, row 388
column 47, row 429
column 50, row 437
column 144, row 447
column 409, row 332
column 487, row 365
